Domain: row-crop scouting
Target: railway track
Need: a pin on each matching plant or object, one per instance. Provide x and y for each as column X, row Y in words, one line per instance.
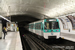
column 25, row 44
column 56, row 46
column 36, row 44
column 40, row 43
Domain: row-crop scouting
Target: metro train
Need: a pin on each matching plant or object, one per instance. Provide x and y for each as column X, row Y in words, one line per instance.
column 47, row 28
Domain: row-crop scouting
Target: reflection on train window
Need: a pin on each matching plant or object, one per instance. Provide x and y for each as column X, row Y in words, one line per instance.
column 51, row 25
column 31, row 26
column 55, row 25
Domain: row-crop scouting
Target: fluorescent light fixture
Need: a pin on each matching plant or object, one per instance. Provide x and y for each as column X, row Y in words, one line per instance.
column 5, row 18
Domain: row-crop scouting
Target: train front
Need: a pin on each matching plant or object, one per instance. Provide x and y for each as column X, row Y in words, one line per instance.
column 51, row 28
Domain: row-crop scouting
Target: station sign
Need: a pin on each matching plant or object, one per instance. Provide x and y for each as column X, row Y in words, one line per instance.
column 67, row 20
column 64, row 21
column 72, row 19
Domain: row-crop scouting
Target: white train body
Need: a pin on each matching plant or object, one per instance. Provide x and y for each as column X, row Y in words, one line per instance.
column 42, row 32
column 66, row 29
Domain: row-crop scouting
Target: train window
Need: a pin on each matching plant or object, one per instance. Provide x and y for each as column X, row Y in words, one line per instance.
column 29, row 26
column 47, row 25
column 55, row 25
column 35, row 26
column 38, row 26
column 32, row 26
column 51, row 25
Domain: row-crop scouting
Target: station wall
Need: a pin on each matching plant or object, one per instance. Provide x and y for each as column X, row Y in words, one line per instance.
column 67, row 28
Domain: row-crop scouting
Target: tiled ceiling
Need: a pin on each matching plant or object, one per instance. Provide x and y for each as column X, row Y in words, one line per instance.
column 51, row 8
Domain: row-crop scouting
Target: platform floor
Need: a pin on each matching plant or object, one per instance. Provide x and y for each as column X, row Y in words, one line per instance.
column 11, row 42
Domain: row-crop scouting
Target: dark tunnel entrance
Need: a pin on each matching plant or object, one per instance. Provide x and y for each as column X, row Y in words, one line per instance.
column 23, row 20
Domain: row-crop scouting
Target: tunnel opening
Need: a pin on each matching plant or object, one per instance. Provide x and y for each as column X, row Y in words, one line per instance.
column 23, row 21
column 21, row 18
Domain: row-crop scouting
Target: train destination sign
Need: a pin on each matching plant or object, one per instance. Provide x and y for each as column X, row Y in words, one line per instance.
column 51, row 19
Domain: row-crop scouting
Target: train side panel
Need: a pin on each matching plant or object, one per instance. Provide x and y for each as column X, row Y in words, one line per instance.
column 31, row 27
column 38, row 28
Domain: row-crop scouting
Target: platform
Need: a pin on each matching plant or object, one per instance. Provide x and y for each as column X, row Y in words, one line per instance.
column 11, row 42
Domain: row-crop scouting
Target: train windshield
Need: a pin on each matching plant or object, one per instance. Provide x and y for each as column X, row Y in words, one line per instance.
column 51, row 25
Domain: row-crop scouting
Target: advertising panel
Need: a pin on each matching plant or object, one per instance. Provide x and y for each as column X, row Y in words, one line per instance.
column 72, row 19
column 64, row 22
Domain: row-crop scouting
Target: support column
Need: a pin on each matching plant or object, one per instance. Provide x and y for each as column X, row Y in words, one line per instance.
column 0, row 29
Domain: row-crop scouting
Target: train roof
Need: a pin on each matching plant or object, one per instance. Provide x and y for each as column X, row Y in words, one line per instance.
column 41, row 20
